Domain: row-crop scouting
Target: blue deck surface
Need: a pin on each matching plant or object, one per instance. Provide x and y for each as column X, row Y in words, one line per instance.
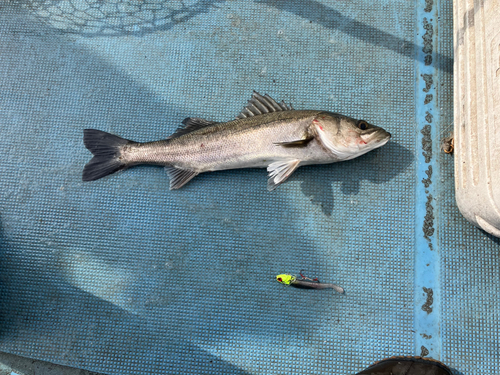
column 123, row 276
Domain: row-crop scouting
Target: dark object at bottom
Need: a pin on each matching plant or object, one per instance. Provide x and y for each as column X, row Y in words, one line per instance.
column 407, row 366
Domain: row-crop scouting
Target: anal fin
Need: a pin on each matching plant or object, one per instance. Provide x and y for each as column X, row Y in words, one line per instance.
column 279, row 171
column 179, row 177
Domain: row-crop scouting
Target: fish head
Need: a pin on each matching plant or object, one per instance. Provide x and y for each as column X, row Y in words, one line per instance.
column 347, row 138
column 285, row 278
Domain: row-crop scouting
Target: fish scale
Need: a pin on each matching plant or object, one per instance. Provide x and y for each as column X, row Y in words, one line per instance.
column 241, row 143
column 265, row 134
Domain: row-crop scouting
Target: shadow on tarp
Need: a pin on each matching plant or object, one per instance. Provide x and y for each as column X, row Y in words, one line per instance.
column 38, row 306
column 101, row 275
column 321, row 14
column 96, row 18
column 43, row 316
column 378, row 166
column 104, row 18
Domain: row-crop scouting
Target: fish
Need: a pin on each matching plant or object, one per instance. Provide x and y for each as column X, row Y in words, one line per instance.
column 306, row 282
column 266, row 134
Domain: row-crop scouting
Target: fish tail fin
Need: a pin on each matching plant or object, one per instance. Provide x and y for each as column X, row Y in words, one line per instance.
column 106, row 149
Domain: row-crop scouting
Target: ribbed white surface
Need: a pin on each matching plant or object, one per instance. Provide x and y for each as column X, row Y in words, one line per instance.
column 477, row 111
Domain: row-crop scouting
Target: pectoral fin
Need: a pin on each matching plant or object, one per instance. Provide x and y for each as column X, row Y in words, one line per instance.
column 279, row 172
column 297, row 143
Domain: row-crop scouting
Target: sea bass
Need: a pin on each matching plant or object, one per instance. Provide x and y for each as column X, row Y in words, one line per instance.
column 265, row 134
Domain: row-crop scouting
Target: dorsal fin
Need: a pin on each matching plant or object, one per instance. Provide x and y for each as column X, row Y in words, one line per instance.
column 259, row 105
column 191, row 124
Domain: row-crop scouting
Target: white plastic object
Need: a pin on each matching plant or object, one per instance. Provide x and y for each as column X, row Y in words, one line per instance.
column 476, row 32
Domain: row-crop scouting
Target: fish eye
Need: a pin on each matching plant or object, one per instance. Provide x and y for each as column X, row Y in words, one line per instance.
column 362, row 124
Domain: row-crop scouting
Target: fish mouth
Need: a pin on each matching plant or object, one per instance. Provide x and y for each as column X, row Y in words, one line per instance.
column 376, row 137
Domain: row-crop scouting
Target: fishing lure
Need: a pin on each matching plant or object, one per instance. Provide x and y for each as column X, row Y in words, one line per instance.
column 306, row 282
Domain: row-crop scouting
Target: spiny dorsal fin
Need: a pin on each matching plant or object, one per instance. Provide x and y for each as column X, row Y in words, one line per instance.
column 259, row 105
column 191, row 124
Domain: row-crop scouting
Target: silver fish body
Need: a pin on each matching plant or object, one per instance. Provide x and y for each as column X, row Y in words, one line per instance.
column 266, row 134
column 242, row 143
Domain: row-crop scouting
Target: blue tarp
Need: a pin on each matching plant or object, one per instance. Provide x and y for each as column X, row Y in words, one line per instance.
column 123, row 276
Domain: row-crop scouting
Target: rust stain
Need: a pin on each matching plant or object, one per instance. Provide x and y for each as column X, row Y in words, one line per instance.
column 428, row 117
column 428, row 227
column 428, row 5
column 427, row 306
column 427, row 37
column 448, row 144
column 427, row 181
column 427, row 143
column 428, row 81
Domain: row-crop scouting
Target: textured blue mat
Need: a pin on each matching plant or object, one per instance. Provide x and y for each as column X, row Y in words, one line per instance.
column 122, row 276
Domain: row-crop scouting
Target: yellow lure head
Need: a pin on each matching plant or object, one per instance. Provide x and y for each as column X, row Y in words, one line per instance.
column 285, row 278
